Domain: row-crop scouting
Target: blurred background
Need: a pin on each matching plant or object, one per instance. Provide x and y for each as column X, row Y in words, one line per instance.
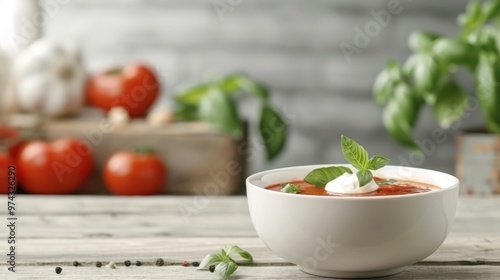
column 291, row 46
column 294, row 47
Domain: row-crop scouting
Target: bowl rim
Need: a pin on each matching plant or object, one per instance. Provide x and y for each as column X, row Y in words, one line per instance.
column 454, row 187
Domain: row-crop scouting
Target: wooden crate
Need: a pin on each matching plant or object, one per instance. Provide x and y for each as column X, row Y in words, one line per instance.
column 200, row 160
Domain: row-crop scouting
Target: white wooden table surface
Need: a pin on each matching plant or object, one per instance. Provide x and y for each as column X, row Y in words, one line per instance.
column 55, row 231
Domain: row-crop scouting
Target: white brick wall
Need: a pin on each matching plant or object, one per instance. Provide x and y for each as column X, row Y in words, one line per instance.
column 292, row 45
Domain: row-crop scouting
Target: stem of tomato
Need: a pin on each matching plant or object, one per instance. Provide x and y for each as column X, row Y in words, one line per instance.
column 114, row 72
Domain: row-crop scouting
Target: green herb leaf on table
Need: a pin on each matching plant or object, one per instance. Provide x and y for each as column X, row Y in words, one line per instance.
column 226, row 269
column 225, row 266
column 290, row 188
column 237, row 250
column 321, row 176
column 273, row 131
column 209, row 260
column 354, row 153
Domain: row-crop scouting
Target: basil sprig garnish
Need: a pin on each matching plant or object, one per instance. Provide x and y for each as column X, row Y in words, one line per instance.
column 290, row 188
column 357, row 156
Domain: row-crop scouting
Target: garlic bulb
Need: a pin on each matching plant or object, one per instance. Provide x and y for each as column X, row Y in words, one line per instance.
column 49, row 80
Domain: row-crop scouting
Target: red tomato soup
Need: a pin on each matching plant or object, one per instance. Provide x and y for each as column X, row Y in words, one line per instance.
column 386, row 187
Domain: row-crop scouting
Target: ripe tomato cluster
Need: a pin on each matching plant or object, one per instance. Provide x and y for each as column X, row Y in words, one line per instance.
column 62, row 166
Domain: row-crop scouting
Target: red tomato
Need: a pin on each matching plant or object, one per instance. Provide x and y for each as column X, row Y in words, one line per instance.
column 5, row 161
column 129, row 173
column 58, row 167
column 135, row 88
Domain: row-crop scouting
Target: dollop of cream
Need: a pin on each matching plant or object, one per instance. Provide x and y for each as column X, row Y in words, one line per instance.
column 349, row 184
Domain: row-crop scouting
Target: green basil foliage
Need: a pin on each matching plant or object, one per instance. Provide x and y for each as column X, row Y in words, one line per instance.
column 215, row 102
column 224, row 264
column 357, row 156
column 427, row 77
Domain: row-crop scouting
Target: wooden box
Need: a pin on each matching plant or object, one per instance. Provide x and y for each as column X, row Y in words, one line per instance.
column 200, row 160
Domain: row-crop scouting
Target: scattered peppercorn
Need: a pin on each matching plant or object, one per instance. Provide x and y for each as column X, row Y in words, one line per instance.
column 111, row 265
column 160, row 262
column 138, row 263
column 75, row 263
column 127, row 263
column 185, row 263
column 195, row 264
column 98, row 264
column 211, row 268
column 58, row 270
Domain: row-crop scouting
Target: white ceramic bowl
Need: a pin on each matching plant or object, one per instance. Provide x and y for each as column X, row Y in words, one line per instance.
column 352, row 237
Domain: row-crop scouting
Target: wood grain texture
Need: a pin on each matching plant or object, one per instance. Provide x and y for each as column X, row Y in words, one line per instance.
column 263, row 273
column 55, row 231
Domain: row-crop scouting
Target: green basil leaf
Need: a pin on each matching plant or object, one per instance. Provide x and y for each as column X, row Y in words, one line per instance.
column 291, row 188
column 426, row 76
column 400, row 115
column 422, row 41
column 455, row 52
column 193, row 95
column 226, row 269
column 230, row 83
column 364, row 177
column 237, row 250
column 209, row 260
column 220, row 110
column 273, row 131
column 321, row 176
column 354, row 153
column 386, row 182
column 186, row 113
column 240, row 82
column 450, row 104
column 488, row 89
column 377, row 162
column 472, row 18
column 386, row 82
column 492, row 10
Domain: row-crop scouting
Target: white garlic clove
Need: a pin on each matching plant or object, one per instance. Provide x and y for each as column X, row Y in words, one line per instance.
column 118, row 116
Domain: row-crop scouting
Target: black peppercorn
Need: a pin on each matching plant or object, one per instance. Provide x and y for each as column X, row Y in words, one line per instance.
column 127, row 263
column 195, row 264
column 98, row 264
column 160, row 262
column 58, row 270
column 138, row 263
column 76, row 263
column 211, row 268
column 185, row 263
